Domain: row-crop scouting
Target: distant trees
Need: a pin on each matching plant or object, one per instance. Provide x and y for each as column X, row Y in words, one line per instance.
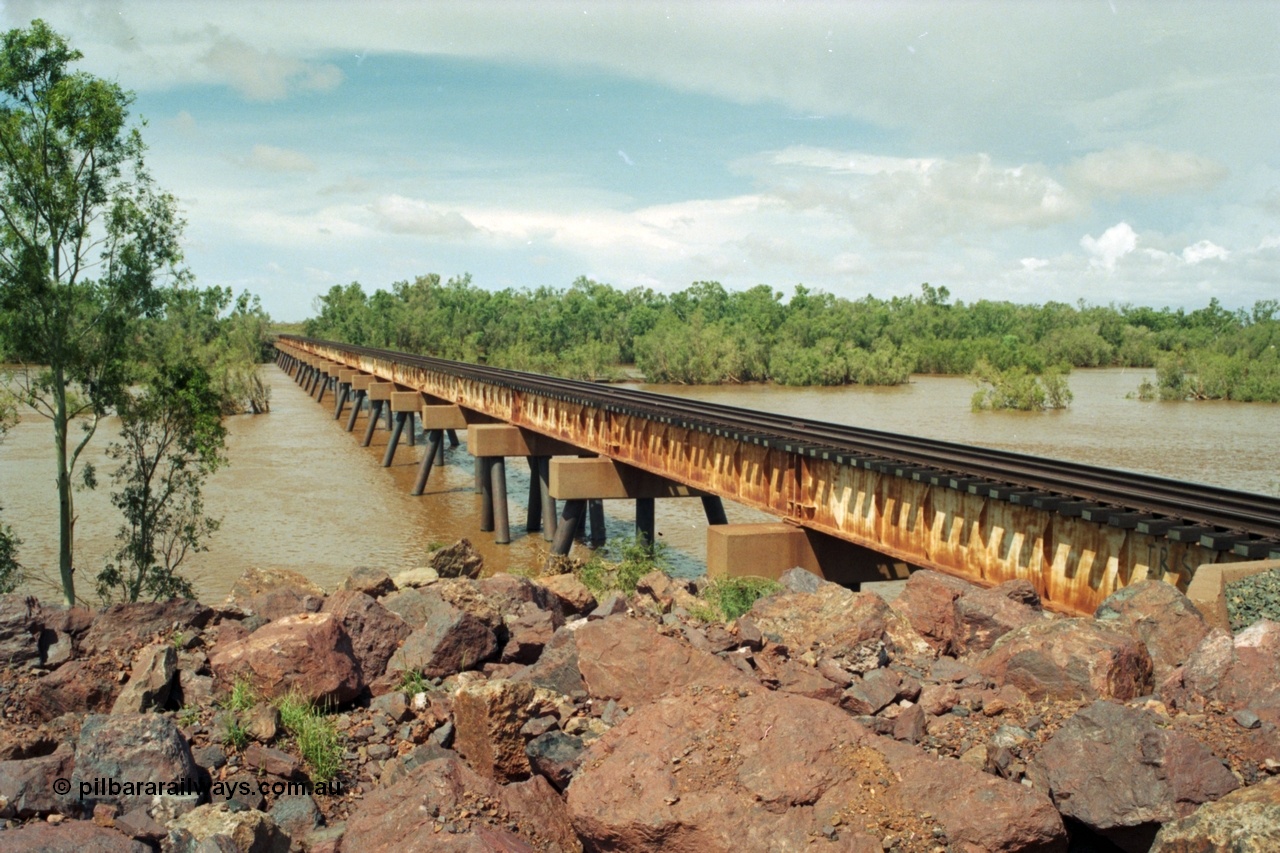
column 706, row 334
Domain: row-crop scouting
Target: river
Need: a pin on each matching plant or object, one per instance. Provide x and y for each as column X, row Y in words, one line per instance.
column 300, row 493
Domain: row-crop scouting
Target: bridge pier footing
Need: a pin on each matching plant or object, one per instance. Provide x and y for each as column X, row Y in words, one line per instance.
column 768, row 550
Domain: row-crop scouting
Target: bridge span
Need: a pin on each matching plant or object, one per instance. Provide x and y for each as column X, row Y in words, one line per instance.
column 854, row 505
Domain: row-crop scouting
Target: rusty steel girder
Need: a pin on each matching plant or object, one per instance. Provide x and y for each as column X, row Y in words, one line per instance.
column 1073, row 564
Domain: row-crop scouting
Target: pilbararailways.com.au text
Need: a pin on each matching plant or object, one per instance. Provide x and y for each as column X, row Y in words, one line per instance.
column 100, row 787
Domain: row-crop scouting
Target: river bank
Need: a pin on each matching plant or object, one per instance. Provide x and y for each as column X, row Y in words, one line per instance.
column 510, row 713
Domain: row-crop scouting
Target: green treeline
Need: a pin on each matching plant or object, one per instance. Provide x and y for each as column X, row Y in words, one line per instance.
column 706, row 334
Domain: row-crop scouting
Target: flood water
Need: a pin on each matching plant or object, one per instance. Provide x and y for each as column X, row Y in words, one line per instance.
column 300, row 493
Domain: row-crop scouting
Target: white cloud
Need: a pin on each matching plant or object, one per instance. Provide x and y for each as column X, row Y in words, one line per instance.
column 401, row 215
column 269, row 158
column 1116, row 242
column 1137, row 169
column 265, row 75
column 1203, row 251
column 1033, row 264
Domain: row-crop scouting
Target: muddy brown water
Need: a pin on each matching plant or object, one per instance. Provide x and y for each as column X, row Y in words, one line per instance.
column 300, row 493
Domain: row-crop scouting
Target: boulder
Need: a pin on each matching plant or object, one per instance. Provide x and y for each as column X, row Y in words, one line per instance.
column 1122, row 772
column 26, row 786
column 459, row 811
column 871, row 693
column 1158, row 614
column 928, row 602
column 297, row 814
column 956, row 617
column 528, row 631
column 450, row 640
column 273, row 593
column 571, row 595
column 487, row 718
column 307, row 653
column 628, row 660
column 150, row 680
column 20, row 627
column 374, row 583
column 145, row 751
column 416, row 577
column 72, row 836
column 1069, row 659
column 1241, row 672
column 123, row 626
column 512, row 593
column 712, row 770
column 459, row 560
column 1244, row 821
column 247, row 830
column 833, row 621
column 557, row 667
column 76, row 687
column 375, row 631
column 556, row 756
column 465, row 594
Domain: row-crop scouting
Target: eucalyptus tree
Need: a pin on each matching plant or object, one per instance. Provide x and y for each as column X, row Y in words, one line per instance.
column 84, row 238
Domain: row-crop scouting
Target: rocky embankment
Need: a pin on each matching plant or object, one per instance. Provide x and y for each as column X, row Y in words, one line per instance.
column 509, row 714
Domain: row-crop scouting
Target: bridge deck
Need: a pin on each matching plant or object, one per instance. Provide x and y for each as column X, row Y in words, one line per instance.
column 1076, row 532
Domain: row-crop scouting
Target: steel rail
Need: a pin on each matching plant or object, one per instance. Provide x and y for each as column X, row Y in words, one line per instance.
column 1244, row 513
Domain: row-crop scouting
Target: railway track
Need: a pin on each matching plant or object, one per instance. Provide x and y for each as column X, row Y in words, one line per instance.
column 1222, row 519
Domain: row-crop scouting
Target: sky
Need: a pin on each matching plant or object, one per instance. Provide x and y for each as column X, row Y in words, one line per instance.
column 1112, row 151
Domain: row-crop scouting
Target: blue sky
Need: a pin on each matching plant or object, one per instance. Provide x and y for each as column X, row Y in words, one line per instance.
column 1106, row 151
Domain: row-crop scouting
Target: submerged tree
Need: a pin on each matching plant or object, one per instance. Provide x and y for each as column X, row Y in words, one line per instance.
column 84, row 236
column 172, row 438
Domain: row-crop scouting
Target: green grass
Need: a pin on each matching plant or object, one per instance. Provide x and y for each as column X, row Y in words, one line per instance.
column 243, row 696
column 315, row 734
column 631, row 559
column 734, row 596
column 413, row 682
column 233, row 733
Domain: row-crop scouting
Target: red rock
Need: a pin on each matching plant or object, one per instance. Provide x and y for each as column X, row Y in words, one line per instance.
column 528, row 631
column 1069, row 659
column 437, row 793
column 928, row 602
column 1244, row 821
column 273, row 593
column 273, row 761
column 374, row 583
column 307, row 653
column 150, row 680
column 1158, row 614
column 122, row 626
column 75, row 687
column 1122, row 772
column 793, row 676
column 556, row 756
column 374, row 630
column 487, row 718
column 450, row 640
column 572, row 597
column 21, row 624
column 628, row 660
column 985, row 615
column 1241, row 672
column 869, row 694
column 134, row 748
column 26, row 786
column 557, row 667
column 512, row 594
column 72, row 836
column 710, row 770
column 459, row 560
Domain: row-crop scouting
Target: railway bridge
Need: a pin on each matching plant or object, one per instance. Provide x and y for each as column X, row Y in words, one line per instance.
column 853, row 504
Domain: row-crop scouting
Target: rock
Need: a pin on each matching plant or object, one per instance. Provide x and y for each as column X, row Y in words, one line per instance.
column 26, row 786
column 528, row 632
column 800, row 580
column 459, row 560
column 262, row 722
column 449, row 641
column 275, row 762
column 416, row 577
column 716, row 771
column 869, row 694
column 150, row 680
column 611, row 605
column 909, row 726
column 1158, row 614
column 833, row 621
column 1244, row 821
column 557, row 667
column 74, row 836
column 374, row 583
column 394, row 705
column 273, row 593
column 410, row 604
column 438, row 801
column 793, row 676
column 20, row 628
column 487, row 718
column 56, row 648
column 1121, row 772
column 1241, row 672
column 250, row 831
column 139, row 825
column 556, row 756
column 145, row 751
column 938, row 699
column 76, row 687
column 122, row 626
column 956, row 617
column 928, row 602
column 512, row 593
column 1069, row 659
column 307, row 653
column 194, row 689
column 572, row 596
column 628, row 660
column 297, row 815
column 375, row 631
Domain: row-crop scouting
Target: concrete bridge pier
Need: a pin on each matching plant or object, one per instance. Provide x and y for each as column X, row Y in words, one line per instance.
column 436, row 421
column 403, row 405
column 491, row 445
column 769, row 549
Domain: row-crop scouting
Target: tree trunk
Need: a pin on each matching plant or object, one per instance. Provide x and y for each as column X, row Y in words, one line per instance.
column 66, row 509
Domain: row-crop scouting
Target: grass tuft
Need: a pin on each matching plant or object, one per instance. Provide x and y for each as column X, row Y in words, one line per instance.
column 734, row 596
column 315, row 734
